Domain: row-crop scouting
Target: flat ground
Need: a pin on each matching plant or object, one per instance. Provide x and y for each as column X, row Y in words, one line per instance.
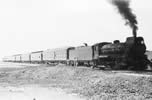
column 81, row 82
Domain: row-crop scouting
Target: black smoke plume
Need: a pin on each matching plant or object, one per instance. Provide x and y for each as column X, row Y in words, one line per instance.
column 126, row 12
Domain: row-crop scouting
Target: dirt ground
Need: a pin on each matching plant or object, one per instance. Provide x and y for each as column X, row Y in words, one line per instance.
column 91, row 84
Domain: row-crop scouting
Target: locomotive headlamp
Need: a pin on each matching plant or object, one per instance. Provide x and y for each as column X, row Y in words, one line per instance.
column 142, row 42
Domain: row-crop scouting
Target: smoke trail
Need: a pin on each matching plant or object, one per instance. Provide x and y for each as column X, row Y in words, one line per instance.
column 126, row 12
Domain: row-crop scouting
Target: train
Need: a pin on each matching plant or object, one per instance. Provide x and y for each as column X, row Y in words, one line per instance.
column 128, row 55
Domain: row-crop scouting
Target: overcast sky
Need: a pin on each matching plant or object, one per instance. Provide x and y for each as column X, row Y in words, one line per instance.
column 31, row 25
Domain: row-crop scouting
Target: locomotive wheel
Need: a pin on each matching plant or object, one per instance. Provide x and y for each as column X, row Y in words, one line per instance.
column 138, row 67
column 102, row 68
column 119, row 66
column 142, row 66
column 116, row 67
column 130, row 67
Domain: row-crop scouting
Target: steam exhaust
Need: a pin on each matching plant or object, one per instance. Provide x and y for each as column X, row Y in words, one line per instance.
column 125, row 11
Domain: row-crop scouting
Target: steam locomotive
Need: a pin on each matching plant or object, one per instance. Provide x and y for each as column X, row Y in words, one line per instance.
column 117, row 55
column 127, row 55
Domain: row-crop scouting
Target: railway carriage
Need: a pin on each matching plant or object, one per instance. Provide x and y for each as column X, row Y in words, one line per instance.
column 18, row 58
column 59, row 55
column 37, row 57
column 48, row 55
column 6, row 59
column 62, row 54
column 11, row 58
column 26, row 57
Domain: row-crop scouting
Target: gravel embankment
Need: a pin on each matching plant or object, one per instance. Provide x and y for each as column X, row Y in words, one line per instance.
column 92, row 84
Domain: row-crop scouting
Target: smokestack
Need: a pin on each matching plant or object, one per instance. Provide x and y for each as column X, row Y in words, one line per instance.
column 135, row 32
column 126, row 12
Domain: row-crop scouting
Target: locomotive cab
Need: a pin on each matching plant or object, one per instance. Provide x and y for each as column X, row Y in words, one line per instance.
column 97, row 53
column 97, row 49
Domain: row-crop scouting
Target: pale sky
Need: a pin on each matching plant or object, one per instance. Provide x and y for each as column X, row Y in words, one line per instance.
column 31, row 25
